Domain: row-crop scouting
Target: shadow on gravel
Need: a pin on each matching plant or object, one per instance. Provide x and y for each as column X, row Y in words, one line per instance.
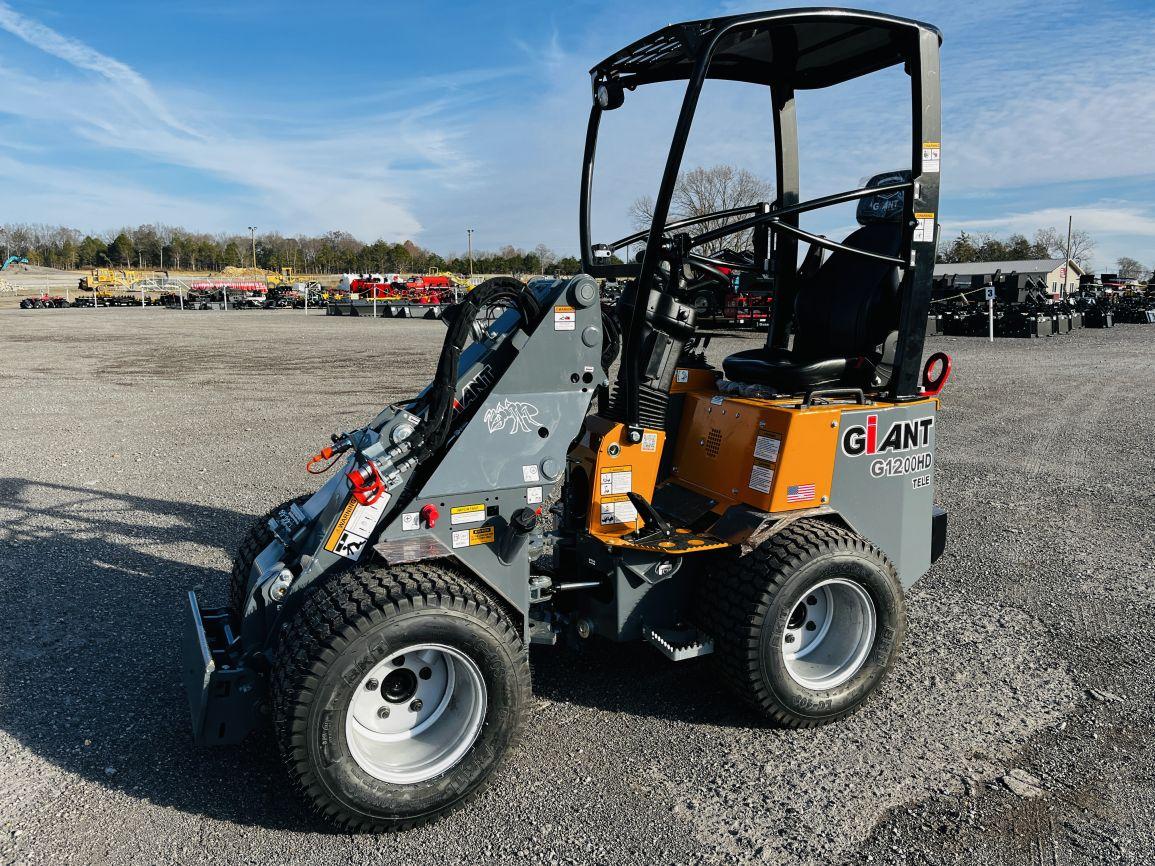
column 93, row 583
column 633, row 678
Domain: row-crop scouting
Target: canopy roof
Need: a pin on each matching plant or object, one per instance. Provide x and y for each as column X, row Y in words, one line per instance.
column 809, row 48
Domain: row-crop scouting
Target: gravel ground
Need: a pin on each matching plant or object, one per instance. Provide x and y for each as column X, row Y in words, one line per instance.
column 140, row 443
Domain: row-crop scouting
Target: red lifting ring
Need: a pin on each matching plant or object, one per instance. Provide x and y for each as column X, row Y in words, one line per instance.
column 933, row 387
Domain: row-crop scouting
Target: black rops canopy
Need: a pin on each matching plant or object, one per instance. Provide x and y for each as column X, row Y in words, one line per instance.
column 807, row 48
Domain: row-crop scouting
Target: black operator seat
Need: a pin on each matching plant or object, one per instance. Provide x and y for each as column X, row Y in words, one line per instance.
column 845, row 316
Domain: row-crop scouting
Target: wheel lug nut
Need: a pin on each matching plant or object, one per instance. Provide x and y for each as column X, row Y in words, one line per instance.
column 789, row 638
column 425, row 673
column 383, row 713
column 416, row 706
column 810, row 626
column 811, row 600
column 371, row 686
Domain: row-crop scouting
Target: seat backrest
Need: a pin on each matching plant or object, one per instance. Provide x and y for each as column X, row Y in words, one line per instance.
column 850, row 307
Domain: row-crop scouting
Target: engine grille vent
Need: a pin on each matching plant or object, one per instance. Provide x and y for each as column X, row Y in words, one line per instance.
column 714, row 442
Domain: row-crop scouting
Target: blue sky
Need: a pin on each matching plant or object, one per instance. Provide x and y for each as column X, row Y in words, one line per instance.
column 419, row 120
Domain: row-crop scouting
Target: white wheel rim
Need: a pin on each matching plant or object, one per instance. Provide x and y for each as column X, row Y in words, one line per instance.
column 416, row 714
column 829, row 634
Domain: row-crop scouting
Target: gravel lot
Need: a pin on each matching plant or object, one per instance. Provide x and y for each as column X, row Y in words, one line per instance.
column 138, row 444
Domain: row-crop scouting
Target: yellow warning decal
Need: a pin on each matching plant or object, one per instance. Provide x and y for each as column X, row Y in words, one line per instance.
column 467, row 514
column 469, row 537
column 342, row 522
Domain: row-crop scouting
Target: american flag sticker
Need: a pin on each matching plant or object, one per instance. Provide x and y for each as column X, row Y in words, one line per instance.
column 799, row 492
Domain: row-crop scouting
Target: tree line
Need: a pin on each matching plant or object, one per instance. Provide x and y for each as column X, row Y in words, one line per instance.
column 1048, row 243
column 161, row 247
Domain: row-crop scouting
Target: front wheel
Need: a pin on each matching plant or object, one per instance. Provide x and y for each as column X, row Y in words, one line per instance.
column 396, row 693
column 807, row 624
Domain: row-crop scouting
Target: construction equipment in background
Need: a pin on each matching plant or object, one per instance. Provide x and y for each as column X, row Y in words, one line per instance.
column 107, row 280
column 13, row 260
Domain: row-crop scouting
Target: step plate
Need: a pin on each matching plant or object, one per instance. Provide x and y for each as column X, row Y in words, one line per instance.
column 679, row 644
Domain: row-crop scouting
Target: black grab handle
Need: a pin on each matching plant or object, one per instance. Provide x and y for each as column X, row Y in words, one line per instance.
column 857, row 393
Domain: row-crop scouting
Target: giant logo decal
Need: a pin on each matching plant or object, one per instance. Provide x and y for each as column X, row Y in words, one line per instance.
column 513, row 415
column 899, row 438
column 474, row 388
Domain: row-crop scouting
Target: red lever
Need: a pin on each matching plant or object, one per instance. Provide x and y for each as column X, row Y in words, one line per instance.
column 368, row 485
column 429, row 515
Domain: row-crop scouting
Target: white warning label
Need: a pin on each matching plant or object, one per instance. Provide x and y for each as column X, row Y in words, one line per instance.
column 411, row 521
column 618, row 509
column 649, row 442
column 767, row 448
column 682, row 376
column 617, row 480
column 564, row 318
column 931, row 157
column 354, row 527
column 761, row 477
column 530, row 473
column 924, row 228
column 533, row 495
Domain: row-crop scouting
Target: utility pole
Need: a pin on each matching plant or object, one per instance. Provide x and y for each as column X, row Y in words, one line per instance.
column 253, row 236
column 1067, row 263
column 469, row 241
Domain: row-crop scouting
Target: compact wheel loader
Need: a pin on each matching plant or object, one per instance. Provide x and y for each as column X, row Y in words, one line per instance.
column 767, row 515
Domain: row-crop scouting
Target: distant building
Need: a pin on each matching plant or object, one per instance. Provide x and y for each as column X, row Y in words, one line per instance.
column 1048, row 275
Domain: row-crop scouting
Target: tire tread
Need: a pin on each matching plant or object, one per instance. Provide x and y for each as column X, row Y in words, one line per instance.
column 736, row 598
column 333, row 615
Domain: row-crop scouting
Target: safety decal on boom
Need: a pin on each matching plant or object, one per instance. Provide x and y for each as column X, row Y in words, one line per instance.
column 354, row 526
column 470, row 537
column 564, row 319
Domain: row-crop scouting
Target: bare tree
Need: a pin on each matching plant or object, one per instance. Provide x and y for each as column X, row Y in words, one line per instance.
column 1055, row 242
column 1129, row 268
column 545, row 256
column 702, row 191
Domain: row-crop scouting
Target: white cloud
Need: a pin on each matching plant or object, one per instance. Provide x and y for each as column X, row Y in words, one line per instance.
column 1120, row 228
column 84, row 57
column 359, row 174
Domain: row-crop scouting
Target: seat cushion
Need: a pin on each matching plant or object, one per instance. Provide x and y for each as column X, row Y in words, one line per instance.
column 783, row 371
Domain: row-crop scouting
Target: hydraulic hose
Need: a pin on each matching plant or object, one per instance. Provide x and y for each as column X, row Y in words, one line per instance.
column 443, row 390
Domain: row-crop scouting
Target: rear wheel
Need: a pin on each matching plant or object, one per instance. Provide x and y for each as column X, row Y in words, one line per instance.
column 807, row 624
column 396, row 693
